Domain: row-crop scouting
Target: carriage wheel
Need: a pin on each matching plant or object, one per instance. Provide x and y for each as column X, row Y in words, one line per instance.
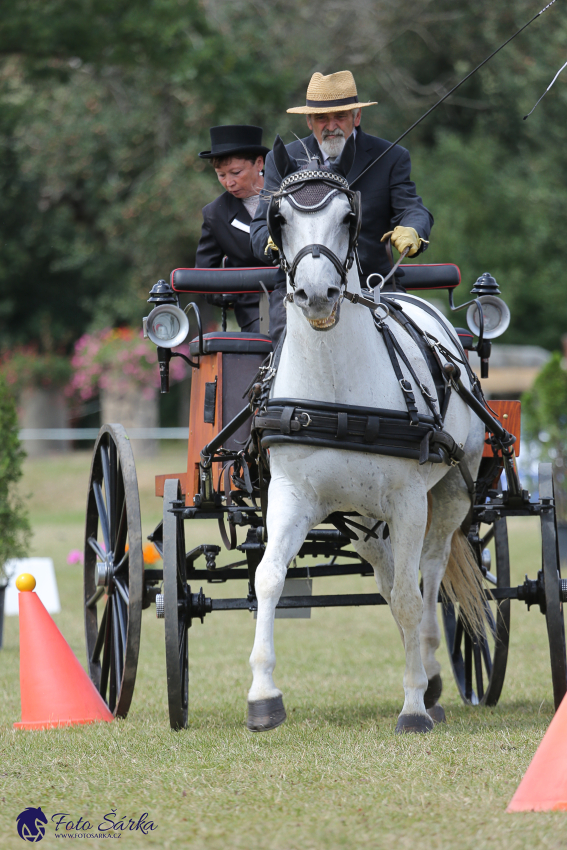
column 114, row 570
column 479, row 663
column 552, row 586
column 175, row 593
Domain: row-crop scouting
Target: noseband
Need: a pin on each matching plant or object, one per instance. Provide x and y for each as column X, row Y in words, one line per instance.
column 311, row 191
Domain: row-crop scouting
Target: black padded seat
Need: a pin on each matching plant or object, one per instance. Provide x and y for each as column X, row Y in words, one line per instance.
column 466, row 338
column 232, row 342
column 226, row 281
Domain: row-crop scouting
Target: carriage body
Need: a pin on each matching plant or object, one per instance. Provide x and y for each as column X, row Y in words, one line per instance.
column 225, row 484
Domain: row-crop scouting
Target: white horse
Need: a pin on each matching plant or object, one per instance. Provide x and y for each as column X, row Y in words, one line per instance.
column 348, row 363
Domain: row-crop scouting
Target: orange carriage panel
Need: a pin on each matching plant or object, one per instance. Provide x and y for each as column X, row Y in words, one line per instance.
column 205, row 415
column 509, row 415
column 161, row 479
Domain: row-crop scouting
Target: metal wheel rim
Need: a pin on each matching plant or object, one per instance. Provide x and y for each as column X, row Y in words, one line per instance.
column 477, row 669
column 113, row 641
column 551, row 568
column 174, row 598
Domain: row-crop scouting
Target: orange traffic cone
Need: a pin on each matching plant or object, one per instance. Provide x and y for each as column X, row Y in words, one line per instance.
column 55, row 690
column 544, row 786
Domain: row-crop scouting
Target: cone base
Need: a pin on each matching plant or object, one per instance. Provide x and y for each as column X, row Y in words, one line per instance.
column 542, row 806
column 56, row 724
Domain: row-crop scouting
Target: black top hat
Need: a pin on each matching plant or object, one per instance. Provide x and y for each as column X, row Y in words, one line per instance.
column 231, row 139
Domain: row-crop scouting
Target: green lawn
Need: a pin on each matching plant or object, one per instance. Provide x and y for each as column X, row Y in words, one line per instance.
column 334, row 776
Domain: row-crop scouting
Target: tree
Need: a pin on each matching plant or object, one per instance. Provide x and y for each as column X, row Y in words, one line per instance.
column 14, row 526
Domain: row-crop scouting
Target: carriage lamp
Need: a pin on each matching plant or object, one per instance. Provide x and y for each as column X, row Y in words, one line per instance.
column 167, row 326
column 495, row 312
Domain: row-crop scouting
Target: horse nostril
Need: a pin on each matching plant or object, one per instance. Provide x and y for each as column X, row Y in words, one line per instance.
column 333, row 292
column 300, row 296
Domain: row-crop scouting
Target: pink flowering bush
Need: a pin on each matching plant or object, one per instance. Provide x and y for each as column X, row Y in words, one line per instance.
column 118, row 358
column 25, row 367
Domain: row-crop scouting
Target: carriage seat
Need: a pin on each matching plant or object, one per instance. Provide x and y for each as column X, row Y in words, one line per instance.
column 232, row 342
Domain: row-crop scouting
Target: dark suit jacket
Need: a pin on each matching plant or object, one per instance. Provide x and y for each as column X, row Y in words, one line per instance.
column 226, row 233
column 388, row 195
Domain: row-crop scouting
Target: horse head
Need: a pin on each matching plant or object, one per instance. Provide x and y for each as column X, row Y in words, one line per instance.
column 314, row 219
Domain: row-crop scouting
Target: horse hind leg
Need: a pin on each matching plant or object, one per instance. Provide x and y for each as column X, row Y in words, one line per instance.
column 287, row 528
column 449, row 503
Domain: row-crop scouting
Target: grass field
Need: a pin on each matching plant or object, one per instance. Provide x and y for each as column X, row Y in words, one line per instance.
column 333, row 776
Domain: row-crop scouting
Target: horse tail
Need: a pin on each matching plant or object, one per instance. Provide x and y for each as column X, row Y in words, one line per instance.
column 463, row 585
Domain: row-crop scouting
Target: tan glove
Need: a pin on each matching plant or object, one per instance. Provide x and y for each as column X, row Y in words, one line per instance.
column 404, row 237
column 270, row 246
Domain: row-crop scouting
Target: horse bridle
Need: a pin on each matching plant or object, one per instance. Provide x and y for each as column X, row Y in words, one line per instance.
column 292, row 184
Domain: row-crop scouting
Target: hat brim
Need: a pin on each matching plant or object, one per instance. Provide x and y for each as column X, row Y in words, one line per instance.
column 259, row 150
column 316, row 110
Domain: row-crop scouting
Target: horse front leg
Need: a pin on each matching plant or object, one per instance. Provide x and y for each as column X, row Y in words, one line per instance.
column 407, row 608
column 290, row 517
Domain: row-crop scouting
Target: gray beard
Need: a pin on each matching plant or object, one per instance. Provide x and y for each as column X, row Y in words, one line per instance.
column 333, row 146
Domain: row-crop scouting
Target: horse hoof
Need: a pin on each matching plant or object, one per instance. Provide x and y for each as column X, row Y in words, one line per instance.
column 416, row 723
column 265, row 714
column 433, row 692
column 437, row 713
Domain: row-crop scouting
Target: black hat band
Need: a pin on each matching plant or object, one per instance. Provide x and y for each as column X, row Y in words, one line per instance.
column 343, row 101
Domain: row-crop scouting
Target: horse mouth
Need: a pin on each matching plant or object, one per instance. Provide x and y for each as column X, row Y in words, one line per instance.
column 328, row 323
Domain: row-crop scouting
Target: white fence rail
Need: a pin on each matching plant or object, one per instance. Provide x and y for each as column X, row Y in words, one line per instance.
column 92, row 433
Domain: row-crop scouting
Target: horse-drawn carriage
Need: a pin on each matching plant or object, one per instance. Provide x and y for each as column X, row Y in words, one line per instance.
column 228, row 472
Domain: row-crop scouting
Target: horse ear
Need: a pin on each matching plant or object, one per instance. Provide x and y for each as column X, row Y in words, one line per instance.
column 346, row 160
column 284, row 163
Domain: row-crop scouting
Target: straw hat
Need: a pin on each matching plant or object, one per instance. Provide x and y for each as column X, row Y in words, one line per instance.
column 333, row 93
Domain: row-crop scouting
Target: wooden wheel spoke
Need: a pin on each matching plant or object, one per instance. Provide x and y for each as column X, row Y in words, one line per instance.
column 95, row 658
column 468, row 666
column 97, row 548
column 122, row 530
column 459, row 630
column 108, row 491
column 105, row 669
column 102, row 515
column 122, row 590
column 124, row 562
column 478, row 670
column 116, row 645
column 91, row 602
column 122, row 619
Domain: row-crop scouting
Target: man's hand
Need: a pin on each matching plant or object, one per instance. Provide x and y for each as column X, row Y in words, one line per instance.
column 404, row 237
column 270, row 246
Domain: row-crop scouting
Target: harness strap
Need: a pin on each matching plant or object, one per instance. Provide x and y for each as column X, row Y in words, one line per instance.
column 316, row 251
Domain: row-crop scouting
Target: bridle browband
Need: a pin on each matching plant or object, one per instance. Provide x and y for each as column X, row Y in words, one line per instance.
column 291, row 185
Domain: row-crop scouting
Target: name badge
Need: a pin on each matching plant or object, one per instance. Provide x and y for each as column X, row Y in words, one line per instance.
column 240, row 225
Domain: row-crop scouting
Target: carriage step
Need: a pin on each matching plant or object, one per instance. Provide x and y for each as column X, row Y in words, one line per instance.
column 160, row 612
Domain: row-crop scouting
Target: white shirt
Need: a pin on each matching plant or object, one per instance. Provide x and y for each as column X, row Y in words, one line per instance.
column 251, row 204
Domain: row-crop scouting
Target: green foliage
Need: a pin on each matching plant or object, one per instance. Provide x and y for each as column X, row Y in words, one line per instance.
column 14, row 525
column 105, row 106
column 26, row 367
column 544, row 420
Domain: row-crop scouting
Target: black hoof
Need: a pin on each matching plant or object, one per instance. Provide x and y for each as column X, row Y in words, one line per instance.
column 433, row 692
column 416, row 723
column 437, row 713
column 265, row 714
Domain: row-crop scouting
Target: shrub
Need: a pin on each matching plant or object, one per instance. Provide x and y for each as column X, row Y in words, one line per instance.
column 118, row 357
column 14, row 525
column 544, row 411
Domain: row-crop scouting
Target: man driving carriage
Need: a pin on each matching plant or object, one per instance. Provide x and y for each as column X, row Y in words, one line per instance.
column 237, row 155
column 391, row 206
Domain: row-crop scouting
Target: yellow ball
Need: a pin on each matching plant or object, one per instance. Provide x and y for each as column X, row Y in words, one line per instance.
column 25, row 581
